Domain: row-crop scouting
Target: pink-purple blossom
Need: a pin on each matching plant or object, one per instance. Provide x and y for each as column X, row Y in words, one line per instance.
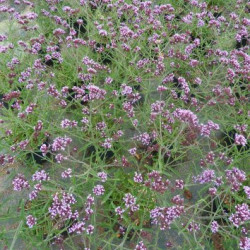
column 66, row 173
column 241, row 215
column 30, row 221
column 140, row 246
column 244, row 243
column 20, row 183
column 165, row 216
column 214, row 226
column 98, row 190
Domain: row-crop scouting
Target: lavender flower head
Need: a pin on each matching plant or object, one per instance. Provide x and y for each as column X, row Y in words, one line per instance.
column 30, row 221
column 20, row 183
column 214, row 227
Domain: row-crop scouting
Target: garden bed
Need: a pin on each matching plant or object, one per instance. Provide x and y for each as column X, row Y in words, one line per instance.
column 124, row 124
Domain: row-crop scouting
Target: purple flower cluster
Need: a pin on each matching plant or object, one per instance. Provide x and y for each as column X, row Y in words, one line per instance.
column 207, row 128
column 80, row 226
column 107, row 143
column 119, row 211
column 130, row 202
column 240, row 140
column 214, row 226
column 138, row 178
column 140, row 246
column 144, row 138
column 19, row 183
column 30, row 221
column 34, row 193
column 66, row 123
column 165, row 216
column 177, row 200
column 67, row 173
column 98, row 190
column 60, row 143
column 206, row 176
column 40, row 176
column 61, row 206
column 156, row 182
column 193, row 227
column 247, row 191
column 241, row 215
column 244, row 243
column 6, row 159
column 186, row 116
column 89, row 202
column 179, row 184
column 103, row 176
column 235, row 177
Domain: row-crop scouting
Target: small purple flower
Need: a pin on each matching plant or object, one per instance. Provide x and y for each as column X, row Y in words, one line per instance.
column 77, row 228
column 140, row 246
column 103, row 176
column 244, row 231
column 60, row 158
column 67, row 173
column 132, row 151
column 241, row 215
column 214, row 226
column 34, row 193
column 90, row 229
column 135, row 122
column 66, row 123
column 103, row 32
column 20, row 183
column 40, row 176
column 98, row 190
column 200, row 23
column 23, row 144
column 247, row 191
column 186, row 116
column 206, row 176
column 144, row 139
column 179, row 184
column 129, row 200
column 235, row 177
column 61, row 206
column 107, row 143
column 193, row 227
column 60, row 143
column 241, row 128
column 30, row 221
column 138, row 178
column 212, row 191
column 119, row 211
column 44, row 149
column 177, row 200
column 101, row 126
column 207, row 128
column 169, row 244
column 3, row 37
column 156, row 182
column 245, row 243
column 165, row 216
column 108, row 80
column 240, row 140
column 58, row 32
column 198, row 81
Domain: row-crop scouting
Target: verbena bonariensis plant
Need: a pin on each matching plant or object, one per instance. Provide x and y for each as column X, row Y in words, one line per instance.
column 124, row 124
